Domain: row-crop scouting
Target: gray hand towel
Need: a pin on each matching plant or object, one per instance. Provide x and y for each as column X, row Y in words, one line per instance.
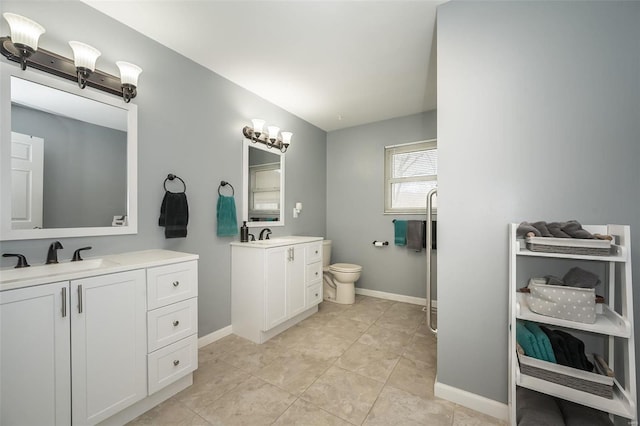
column 415, row 235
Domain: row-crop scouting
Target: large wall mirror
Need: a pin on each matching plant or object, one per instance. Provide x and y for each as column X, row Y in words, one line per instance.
column 262, row 185
column 68, row 159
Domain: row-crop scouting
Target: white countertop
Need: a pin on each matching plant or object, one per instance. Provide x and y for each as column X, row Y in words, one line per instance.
column 277, row 241
column 13, row 278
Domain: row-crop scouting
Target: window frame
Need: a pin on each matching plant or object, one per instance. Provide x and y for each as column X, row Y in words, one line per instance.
column 389, row 152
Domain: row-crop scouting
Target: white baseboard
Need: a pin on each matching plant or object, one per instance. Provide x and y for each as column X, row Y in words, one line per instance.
column 471, row 400
column 392, row 296
column 216, row 335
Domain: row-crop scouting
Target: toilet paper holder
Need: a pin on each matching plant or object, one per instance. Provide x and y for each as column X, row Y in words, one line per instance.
column 380, row 243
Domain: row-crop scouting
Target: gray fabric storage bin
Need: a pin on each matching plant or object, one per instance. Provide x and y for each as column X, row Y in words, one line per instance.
column 568, row 303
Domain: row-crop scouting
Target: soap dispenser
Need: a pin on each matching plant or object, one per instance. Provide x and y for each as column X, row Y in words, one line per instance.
column 244, row 233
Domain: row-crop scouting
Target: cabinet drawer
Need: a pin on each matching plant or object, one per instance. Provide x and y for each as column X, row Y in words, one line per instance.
column 172, row 323
column 172, row 362
column 171, row 283
column 313, row 252
column 313, row 272
column 314, row 294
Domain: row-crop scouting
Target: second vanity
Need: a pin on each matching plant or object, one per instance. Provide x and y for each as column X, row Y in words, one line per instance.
column 97, row 341
column 275, row 284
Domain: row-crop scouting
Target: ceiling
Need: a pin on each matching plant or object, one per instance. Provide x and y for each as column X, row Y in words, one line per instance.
column 335, row 64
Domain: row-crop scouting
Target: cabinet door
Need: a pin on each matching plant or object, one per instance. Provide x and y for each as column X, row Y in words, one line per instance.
column 35, row 384
column 296, row 288
column 108, row 344
column 275, row 301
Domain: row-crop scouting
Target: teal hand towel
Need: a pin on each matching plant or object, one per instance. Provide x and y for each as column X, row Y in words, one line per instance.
column 544, row 344
column 528, row 341
column 226, row 215
column 400, row 227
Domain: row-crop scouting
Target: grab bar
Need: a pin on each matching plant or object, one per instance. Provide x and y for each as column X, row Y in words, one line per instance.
column 430, row 195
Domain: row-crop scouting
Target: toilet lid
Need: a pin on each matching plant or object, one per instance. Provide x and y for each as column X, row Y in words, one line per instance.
column 345, row 267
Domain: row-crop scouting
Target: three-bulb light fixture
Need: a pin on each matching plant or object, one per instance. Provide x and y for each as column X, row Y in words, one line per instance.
column 273, row 137
column 22, row 47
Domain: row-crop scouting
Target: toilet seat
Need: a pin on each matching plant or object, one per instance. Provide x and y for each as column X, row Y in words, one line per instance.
column 345, row 267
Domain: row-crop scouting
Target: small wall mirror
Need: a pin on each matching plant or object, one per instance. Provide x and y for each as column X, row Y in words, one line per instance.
column 262, row 185
column 68, row 158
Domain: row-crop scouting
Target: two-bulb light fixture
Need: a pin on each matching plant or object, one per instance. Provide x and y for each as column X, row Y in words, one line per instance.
column 22, row 47
column 273, row 137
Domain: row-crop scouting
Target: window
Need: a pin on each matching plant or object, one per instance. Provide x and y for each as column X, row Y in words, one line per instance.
column 410, row 172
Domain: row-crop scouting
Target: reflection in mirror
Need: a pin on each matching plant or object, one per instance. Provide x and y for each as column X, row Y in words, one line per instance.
column 71, row 160
column 263, row 186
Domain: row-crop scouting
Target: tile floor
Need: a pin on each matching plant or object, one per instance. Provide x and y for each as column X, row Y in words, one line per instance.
column 371, row 363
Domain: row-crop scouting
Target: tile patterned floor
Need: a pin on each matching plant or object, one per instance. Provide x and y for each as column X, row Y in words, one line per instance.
column 371, row 363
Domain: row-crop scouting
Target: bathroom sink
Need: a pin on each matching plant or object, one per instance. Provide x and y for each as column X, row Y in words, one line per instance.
column 273, row 242
column 32, row 272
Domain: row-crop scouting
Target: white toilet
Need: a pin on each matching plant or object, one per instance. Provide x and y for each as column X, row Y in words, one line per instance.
column 339, row 279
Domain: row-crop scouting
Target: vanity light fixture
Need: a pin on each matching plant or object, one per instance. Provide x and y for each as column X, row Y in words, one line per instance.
column 273, row 138
column 24, row 37
column 22, row 47
column 129, row 74
column 84, row 58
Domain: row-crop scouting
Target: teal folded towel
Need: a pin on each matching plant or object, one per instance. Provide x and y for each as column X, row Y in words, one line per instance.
column 544, row 344
column 400, row 227
column 226, row 215
column 528, row 341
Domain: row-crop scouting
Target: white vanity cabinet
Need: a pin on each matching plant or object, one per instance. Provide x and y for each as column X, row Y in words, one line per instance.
column 75, row 350
column 172, row 319
column 108, row 344
column 35, row 355
column 270, row 285
column 93, row 327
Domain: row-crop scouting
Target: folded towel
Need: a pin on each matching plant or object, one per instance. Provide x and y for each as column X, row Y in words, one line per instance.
column 415, row 235
column 580, row 415
column 544, row 344
column 568, row 350
column 174, row 214
column 226, row 216
column 528, row 341
column 578, row 277
column 400, row 227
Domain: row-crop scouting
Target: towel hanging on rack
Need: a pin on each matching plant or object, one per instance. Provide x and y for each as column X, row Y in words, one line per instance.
column 400, row 228
column 174, row 211
column 227, row 222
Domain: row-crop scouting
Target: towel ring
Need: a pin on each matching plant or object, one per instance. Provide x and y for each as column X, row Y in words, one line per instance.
column 171, row 176
column 224, row 183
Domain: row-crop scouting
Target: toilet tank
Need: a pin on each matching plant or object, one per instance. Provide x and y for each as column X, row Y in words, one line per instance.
column 326, row 252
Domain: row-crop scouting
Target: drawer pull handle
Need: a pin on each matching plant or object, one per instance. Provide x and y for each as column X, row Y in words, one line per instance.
column 176, row 283
column 176, row 362
column 175, row 323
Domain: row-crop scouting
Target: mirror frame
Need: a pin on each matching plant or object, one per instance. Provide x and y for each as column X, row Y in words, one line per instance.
column 245, row 184
column 6, row 232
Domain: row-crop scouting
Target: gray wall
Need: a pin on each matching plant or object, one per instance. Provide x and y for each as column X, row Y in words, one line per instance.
column 355, row 204
column 85, row 168
column 190, row 123
column 538, row 119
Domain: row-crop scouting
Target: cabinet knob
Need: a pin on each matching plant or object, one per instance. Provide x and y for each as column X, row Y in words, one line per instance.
column 316, row 294
column 175, row 323
column 316, row 274
column 316, row 251
column 176, row 362
column 176, row 283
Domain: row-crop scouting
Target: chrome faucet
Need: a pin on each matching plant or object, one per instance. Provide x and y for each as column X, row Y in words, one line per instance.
column 262, row 236
column 52, row 254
